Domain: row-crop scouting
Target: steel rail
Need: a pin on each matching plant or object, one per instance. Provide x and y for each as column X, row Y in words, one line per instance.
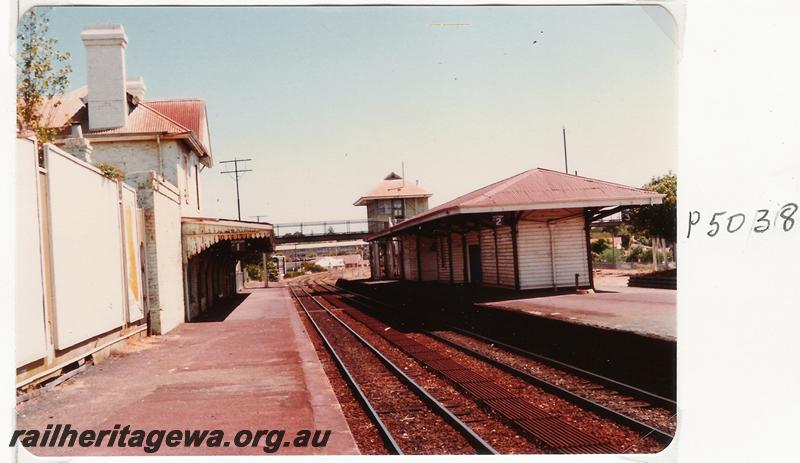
column 583, row 402
column 628, row 389
column 480, row 445
column 625, row 388
column 386, row 436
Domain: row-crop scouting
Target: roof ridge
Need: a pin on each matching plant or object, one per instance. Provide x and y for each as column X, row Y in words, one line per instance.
column 592, row 179
column 494, row 187
column 164, row 100
column 487, row 187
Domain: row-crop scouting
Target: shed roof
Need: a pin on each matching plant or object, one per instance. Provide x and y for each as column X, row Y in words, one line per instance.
column 534, row 189
column 393, row 186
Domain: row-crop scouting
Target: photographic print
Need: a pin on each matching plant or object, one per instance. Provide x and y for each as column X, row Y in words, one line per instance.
column 346, row 230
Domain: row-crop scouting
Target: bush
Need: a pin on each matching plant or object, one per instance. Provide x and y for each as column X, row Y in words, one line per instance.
column 312, row 267
column 610, row 255
column 293, row 274
column 272, row 268
column 254, row 271
column 599, row 246
column 111, row 171
column 643, row 255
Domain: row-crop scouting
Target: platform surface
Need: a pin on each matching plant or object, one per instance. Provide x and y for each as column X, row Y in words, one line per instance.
column 614, row 306
column 256, row 370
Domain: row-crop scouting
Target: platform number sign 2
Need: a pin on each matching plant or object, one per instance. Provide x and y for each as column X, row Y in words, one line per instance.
column 761, row 221
column 497, row 220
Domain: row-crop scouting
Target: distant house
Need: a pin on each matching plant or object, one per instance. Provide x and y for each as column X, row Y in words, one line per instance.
column 352, row 260
column 330, row 262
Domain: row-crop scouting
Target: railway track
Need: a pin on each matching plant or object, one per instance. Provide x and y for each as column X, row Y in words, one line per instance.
column 602, row 396
column 394, row 402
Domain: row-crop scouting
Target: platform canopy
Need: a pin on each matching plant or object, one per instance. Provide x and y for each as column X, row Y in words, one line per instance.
column 200, row 233
column 534, row 189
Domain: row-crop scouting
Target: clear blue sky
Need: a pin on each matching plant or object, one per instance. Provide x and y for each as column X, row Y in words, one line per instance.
column 328, row 100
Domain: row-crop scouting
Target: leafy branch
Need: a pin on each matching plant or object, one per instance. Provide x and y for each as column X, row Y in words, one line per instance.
column 42, row 73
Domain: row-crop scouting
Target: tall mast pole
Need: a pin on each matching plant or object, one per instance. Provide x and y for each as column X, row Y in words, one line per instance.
column 564, row 134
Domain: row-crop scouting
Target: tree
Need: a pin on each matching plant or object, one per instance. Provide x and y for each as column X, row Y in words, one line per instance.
column 660, row 220
column 42, row 73
column 599, row 246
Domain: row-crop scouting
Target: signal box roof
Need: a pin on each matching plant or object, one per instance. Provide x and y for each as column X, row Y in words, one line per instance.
column 393, row 186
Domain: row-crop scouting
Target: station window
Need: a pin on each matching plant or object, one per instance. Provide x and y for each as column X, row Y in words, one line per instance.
column 384, row 206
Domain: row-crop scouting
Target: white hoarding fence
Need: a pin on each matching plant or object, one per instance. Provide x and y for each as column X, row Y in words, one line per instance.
column 79, row 263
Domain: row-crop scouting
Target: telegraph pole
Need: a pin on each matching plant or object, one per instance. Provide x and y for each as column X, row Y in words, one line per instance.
column 236, row 171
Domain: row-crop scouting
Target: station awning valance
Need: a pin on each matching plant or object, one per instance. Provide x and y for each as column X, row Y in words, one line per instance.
column 200, row 233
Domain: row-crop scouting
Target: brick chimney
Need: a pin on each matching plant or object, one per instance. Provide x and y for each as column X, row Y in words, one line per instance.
column 105, row 75
column 77, row 145
column 136, row 88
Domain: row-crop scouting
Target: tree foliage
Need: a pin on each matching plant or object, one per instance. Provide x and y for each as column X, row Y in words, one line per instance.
column 662, row 219
column 42, row 73
column 600, row 245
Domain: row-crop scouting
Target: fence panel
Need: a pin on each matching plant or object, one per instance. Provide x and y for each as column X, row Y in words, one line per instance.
column 30, row 341
column 87, row 249
column 133, row 263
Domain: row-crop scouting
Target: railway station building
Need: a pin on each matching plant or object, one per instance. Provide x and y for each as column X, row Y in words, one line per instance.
column 161, row 146
column 527, row 232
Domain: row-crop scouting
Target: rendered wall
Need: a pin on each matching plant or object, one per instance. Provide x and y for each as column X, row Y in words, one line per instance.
column 162, row 217
column 174, row 161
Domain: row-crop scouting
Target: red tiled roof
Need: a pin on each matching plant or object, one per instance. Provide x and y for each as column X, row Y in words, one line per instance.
column 144, row 119
column 536, row 189
column 165, row 117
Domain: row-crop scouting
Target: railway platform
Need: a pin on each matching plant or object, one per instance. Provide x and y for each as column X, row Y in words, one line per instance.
column 612, row 306
column 250, row 368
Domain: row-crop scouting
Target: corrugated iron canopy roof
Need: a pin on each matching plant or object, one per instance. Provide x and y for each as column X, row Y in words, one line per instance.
column 535, row 189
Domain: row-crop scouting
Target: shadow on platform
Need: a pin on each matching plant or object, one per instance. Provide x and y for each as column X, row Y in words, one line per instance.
column 222, row 309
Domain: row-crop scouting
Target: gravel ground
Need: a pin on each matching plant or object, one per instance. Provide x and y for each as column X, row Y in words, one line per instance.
column 657, row 417
column 366, row 435
column 416, row 429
